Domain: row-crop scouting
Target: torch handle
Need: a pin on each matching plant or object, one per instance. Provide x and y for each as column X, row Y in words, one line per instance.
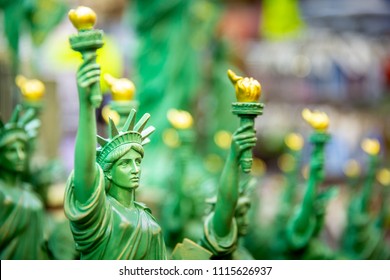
column 95, row 97
column 246, row 156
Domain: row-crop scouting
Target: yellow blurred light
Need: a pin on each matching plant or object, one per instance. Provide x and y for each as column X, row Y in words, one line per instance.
column 294, row 141
column 171, row 138
column 180, row 119
column 352, row 168
column 383, row 176
column 223, row 139
column 258, row 167
column 213, row 163
column 286, row 162
column 371, row 146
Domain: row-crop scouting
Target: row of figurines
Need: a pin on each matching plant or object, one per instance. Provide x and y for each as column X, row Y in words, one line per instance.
column 102, row 206
column 105, row 221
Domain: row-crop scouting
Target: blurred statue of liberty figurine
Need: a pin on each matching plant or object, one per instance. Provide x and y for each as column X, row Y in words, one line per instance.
column 304, row 226
column 22, row 211
column 106, row 220
column 228, row 219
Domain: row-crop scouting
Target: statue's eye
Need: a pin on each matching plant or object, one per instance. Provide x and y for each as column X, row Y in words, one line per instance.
column 138, row 161
column 124, row 163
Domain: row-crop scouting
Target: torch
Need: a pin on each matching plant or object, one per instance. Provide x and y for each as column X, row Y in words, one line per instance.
column 32, row 91
column 87, row 42
column 247, row 108
column 122, row 102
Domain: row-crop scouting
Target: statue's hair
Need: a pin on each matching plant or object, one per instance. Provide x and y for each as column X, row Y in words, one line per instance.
column 131, row 133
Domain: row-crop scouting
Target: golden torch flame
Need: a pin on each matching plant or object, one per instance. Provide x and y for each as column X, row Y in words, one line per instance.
column 83, row 18
column 247, row 89
column 383, row 176
column 122, row 89
column 371, row 146
column 108, row 113
column 294, row 141
column 32, row 90
column 180, row 119
column 316, row 119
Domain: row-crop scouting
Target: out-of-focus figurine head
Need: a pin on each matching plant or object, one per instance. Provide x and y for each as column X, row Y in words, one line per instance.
column 121, row 154
column 14, row 138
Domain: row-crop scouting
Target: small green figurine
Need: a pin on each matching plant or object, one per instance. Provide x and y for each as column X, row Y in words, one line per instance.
column 290, row 165
column 228, row 219
column 22, row 211
column 363, row 239
column 106, row 220
column 183, row 210
column 383, row 221
column 305, row 225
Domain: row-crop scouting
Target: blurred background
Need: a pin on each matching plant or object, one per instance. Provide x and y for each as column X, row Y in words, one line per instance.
column 328, row 55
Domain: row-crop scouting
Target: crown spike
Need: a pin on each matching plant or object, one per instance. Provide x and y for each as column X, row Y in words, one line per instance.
column 129, row 124
column 142, row 122
column 146, row 141
column 149, row 130
column 15, row 114
column 27, row 117
column 112, row 128
column 101, row 140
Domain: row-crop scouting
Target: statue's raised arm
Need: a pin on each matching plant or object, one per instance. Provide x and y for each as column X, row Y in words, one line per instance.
column 106, row 220
column 221, row 229
column 87, row 41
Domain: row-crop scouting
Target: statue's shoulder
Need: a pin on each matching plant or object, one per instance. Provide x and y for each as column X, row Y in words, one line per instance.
column 143, row 206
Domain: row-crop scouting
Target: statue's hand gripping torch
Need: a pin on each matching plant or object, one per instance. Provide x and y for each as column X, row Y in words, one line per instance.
column 247, row 107
column 87, row 42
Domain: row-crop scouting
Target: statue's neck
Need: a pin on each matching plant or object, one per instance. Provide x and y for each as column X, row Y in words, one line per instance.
column 10, row 178
column 125, row 197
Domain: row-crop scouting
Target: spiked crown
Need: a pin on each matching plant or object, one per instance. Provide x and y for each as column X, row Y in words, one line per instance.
column 131, row 132
column 20, row 126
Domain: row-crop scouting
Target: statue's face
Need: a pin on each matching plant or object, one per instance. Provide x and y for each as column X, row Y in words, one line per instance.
column 13, row 157
column 242, row 218
column 125, row 173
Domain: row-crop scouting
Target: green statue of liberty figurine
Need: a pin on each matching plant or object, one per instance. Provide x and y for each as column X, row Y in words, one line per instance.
column 305, row 225
column 228, row 220
column 363, row 239
column 22, row 211
column 106, row 220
